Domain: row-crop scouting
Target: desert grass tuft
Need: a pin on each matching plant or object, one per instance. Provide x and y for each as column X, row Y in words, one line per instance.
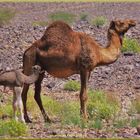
column 101, row 105
column 72, row 86
column 13, row 128
column 62, row 16
column 130, row 45
column 99, row 21
column 6, row 15
column 40, row 23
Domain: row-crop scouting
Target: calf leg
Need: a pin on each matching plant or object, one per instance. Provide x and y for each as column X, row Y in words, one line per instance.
column 38, row 98
column 19, row 102
column 14, row 105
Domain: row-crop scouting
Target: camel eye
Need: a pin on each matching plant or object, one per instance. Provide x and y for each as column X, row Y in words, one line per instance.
column 122, row 23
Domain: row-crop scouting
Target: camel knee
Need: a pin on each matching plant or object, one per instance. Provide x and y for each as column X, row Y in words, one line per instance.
column 15, row 109
column 15, row 105
column 83, row 98
column 20, row 105
column 24, row 92
column 19, row 98
column 37, row 93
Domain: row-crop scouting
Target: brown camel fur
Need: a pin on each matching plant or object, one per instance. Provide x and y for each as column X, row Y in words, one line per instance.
column 15, row 79
column 63, row 52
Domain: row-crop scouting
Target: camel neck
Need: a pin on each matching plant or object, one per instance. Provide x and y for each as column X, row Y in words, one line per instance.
column 110, row 53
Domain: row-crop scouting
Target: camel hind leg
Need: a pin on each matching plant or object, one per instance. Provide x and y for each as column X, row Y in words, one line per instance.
column 38, row 98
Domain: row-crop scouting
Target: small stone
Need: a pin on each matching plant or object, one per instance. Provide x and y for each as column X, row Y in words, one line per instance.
column 54, row 133
column 50, row 85
column 128, row 53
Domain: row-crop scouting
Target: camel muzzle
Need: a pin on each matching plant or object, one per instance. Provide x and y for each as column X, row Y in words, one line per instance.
column 121, row 35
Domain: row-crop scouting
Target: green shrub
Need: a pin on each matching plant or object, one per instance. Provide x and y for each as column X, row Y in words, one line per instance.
column 132, row 110
column 6, row 107
column 130, row 45
column 121, row 123
column 63, row 16
column 83, row 16
column 6, row 15
column 52, row 106
column 134, row 122
column 97, row 124
column 40, row 23
column 99, row 21
column 136, row 104
column 1, row 96
column 6, row 110
column 72, row 85
column 100, row 106
column 12, row 128
column 70, row 114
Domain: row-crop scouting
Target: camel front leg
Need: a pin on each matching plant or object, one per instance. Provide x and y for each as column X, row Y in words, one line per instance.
column 84, row 76
column 38, row 98
column 29, row 60
column 24, row 100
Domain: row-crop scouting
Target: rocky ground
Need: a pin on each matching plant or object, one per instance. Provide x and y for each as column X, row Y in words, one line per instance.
column 122, row 77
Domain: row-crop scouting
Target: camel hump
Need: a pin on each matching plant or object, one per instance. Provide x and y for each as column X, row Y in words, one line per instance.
column 58, row 34
column 60, row 25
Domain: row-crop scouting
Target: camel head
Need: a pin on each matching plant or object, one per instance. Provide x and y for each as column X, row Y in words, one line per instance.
column 36, row 69
column 121, row 26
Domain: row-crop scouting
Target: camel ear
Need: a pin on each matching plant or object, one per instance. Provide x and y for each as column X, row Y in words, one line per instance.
column 112, row 25
column 33, row 68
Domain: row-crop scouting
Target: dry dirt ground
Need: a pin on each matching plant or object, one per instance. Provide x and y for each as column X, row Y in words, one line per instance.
column 121, row 78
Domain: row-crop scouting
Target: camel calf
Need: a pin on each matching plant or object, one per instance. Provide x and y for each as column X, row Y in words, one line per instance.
column 15, row 79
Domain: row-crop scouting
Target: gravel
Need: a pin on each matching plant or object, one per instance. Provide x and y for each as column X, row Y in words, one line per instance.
column 121, row 78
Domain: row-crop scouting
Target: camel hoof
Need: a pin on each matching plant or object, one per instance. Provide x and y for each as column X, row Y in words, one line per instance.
column 16, row 118
column 22, row 120
column 27, row 120
column 85, row 116
column 48, row 120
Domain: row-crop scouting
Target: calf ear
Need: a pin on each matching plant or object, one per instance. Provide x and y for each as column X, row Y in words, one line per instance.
column 112, row 25
column 33, row 67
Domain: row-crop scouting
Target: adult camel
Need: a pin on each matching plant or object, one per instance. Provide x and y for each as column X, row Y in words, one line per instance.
column 63, row 52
